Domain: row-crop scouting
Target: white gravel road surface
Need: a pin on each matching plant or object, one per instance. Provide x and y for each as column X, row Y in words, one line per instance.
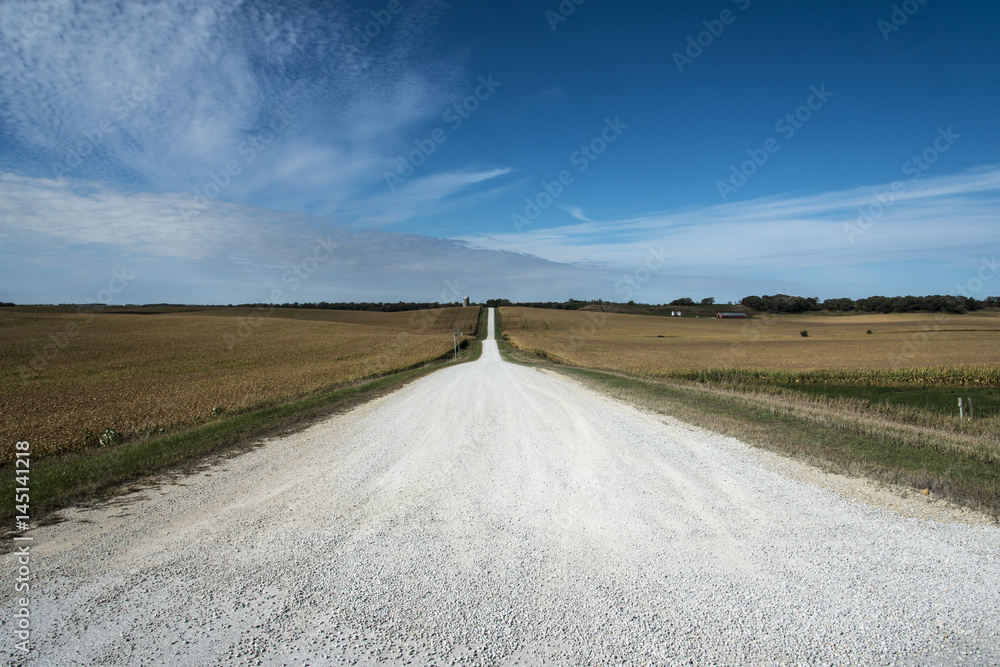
column 494, row 514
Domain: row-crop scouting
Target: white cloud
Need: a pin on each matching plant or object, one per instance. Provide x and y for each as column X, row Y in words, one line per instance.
column 61, row 236
column 425, row 195
column 940, row 218
column 233, row 253
column 143, row 223
column 163, row 94
column 169, row 97
column 577, row 213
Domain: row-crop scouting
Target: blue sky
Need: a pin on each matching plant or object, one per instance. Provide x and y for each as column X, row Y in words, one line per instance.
column 225, row 152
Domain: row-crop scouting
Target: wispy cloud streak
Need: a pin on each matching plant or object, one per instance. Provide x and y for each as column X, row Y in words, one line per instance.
column 939, row 218
column 161, row 95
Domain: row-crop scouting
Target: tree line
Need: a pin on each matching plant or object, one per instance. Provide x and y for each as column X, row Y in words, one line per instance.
column 377, row 306
column 935, row 303
column 784, row 303
column 569, row 304
column 775, row 303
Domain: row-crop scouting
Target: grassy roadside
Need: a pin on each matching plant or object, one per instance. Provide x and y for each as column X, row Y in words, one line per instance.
column 475, row 345
column 834, row 435
column 92, row 474
column 979, row 402
column 897, row 445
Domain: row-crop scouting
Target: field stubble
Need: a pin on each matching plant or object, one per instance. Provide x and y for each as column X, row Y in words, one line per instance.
column 910, row 347
column 143, row 374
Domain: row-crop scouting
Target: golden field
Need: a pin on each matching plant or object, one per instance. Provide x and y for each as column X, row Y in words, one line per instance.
column 665, row 346
column 67, row 376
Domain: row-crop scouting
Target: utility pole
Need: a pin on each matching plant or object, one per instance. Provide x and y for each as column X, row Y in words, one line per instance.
column 456, row 332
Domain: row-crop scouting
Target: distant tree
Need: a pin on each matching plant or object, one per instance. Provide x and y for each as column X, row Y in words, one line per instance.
column 943, row 303
column 839, row 304
column 875, row 304
column 708, row 301
column 682, row 302
column 781, row 303
column 970, row 303
column 936, row 303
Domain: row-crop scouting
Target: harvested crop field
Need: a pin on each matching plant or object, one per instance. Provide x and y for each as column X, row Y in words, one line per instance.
column 68, row 377
column 664, row 346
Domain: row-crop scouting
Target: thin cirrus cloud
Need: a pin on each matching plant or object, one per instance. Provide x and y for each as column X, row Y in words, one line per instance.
column 935, row 219
column 243, row 252
column 66, row 215
column 162, row 96
column 428, row 195
column 231, row 252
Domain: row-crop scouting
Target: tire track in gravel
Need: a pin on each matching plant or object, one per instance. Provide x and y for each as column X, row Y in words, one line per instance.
column 495, row 514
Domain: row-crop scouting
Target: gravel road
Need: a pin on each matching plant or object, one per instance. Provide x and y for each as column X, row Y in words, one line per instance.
column 495, row 514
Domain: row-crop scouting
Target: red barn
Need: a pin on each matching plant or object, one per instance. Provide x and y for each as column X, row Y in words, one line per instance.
column 726, row 316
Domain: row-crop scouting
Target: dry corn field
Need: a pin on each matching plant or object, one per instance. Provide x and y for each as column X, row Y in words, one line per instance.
column 904, row 347
column 67, row 377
